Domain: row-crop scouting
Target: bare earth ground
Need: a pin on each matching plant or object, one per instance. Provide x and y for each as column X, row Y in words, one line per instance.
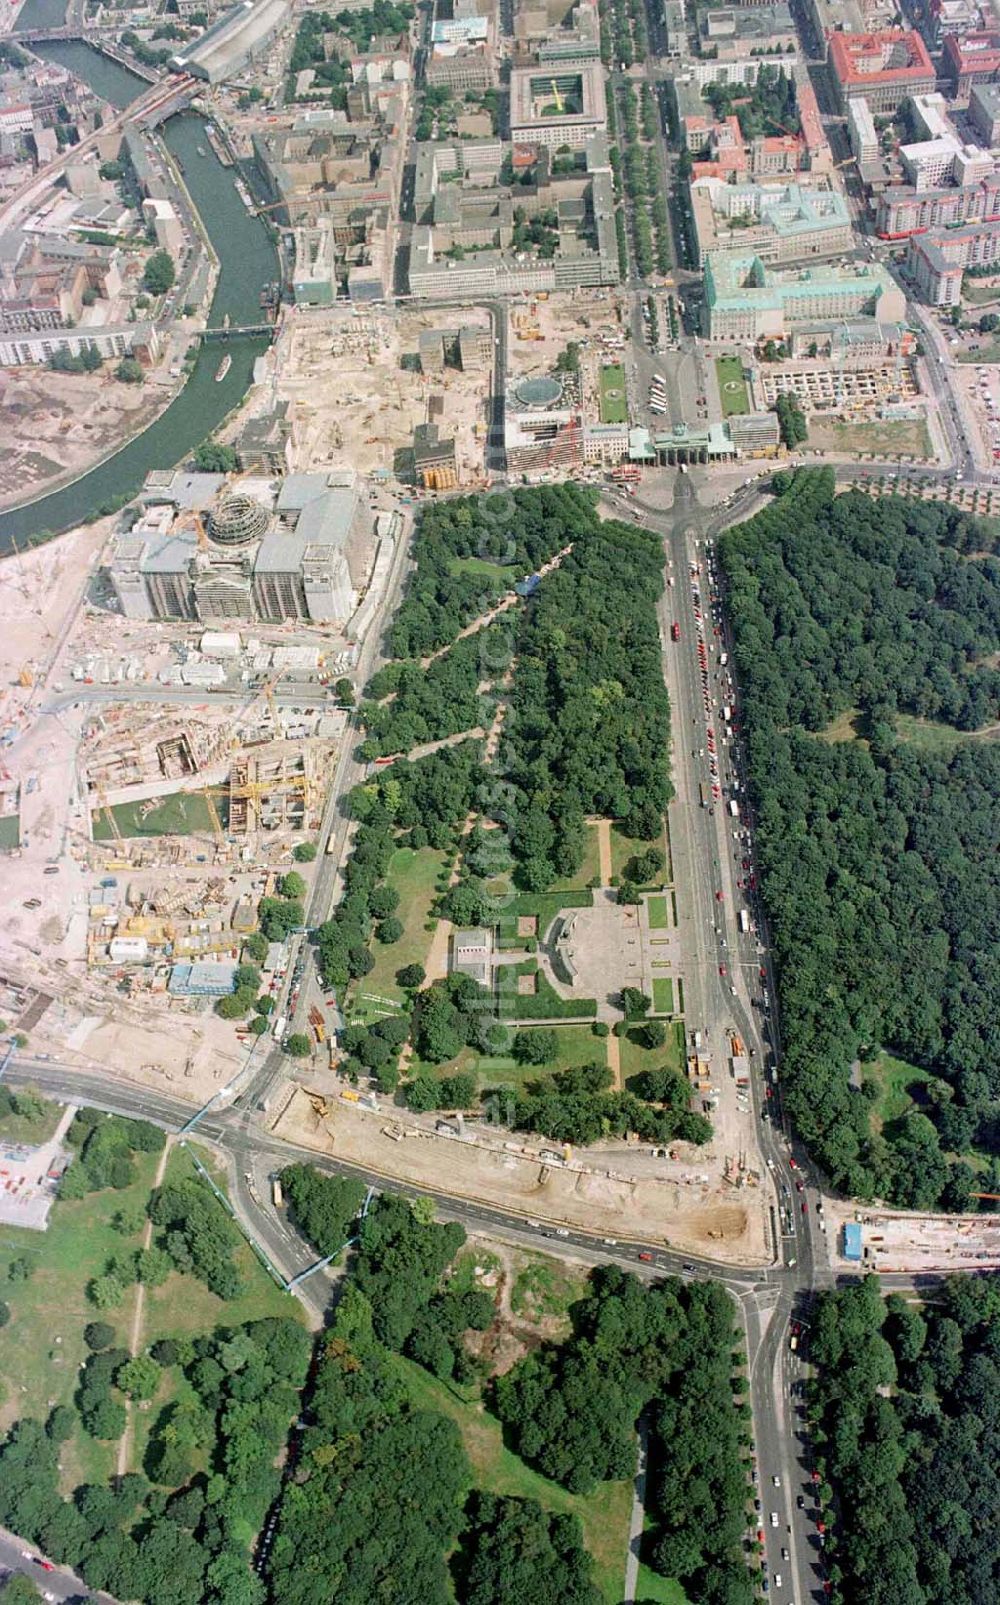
column 57, row 424
column 698, row 1218
column 367, row 417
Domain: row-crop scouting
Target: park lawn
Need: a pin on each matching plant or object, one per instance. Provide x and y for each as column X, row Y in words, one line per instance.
column 577, row 1045
column 663, row 994
column 624, row 847
column 504, row 573
column 986, row 350
column 653, row 1589
column 928, row 735
column 979, row 295
column 589, row 871
column 671, row 1056
column 42, row 1347
column 184, row 1306
column 894, row 437
column 414, row 874
column 894, row 1079
column 657, row 914
column 544, row 1003
column 613, row 402
column 182, row 813
column 845, row 727
column 543, row 906
column 604, row 1514
column 732, row 387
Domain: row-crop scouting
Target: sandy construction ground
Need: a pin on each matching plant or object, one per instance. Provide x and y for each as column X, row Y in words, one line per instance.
column 703, row 1219
column 57, row 424
column 366, row 414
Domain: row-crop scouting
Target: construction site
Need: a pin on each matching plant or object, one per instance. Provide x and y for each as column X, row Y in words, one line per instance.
column 395, row 371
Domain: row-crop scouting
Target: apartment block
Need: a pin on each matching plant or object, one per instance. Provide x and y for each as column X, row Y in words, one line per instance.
column 937, row 260
column 903, row 210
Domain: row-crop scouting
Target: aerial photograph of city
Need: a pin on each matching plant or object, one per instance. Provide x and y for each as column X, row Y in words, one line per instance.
column 500, row 802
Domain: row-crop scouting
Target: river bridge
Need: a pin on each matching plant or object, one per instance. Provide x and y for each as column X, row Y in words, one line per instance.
column 209, row 336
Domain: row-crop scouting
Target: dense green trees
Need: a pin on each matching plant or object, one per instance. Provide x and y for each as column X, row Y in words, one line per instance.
column 105, row 1145
column 159, row 273
column 519, row 529
column 905, row 1413
column 401, row 1261
column 376, row 1501
column 877, row 856
column 408, row 705
column 322, row 1207
column 198, row 1235
column 589, row 724
column 791, row 419
column 575, row 1106
column 515, row 1550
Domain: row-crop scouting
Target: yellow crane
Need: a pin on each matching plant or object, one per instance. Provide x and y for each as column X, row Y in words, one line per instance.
column 213, row 814
column 560, row 103
column 105, row 808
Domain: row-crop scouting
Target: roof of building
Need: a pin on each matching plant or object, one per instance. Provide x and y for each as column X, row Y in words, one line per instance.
column 470, row 953
column 852, row 1240
column 893, row 55
column 185, row 490
column 740, row 278
column 973, row 52
column 205, row 978
column 224, row 46
column 988, row 96
column 325, row 519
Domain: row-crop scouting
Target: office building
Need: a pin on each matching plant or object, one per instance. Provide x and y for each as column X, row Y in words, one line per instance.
column 779, row 223
column 746, row 301
column 984, row 112
column 471, row 236
column 557, row 107
column 313, row 281
column 969, row 59
column 733, row 33
column 434, row 463
column 883, row 69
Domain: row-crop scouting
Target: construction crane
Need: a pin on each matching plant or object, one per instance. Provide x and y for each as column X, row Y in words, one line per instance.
column 108, row 812
column 557, row 97
column 193, row 520
column 213, row 814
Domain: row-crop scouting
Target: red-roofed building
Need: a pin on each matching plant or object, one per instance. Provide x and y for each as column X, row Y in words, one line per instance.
column 820, row 159
column 882, row 69
column 972, row 58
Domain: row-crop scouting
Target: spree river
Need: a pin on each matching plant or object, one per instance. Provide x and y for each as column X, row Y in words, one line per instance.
column 247, row 260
